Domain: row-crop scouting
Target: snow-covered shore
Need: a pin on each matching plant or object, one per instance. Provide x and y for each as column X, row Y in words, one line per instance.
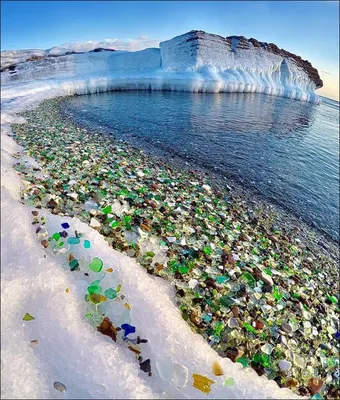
column 69, row 350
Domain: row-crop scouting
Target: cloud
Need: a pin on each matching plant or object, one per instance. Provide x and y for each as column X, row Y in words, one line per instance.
column 140, row 43
column 326, row 72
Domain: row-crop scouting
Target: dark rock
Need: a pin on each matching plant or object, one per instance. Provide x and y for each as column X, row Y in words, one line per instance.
column 232, row 353
column 145, row 366
column 99, row 49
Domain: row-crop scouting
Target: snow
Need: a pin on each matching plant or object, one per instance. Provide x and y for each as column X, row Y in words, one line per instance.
column 14, row 57
column 183, row 64
column 33, row 281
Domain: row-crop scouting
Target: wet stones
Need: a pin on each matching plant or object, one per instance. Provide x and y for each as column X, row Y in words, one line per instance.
column 286, row 327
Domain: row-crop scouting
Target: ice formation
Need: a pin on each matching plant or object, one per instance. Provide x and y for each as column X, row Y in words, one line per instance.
column 66, row 350
column 194, row 62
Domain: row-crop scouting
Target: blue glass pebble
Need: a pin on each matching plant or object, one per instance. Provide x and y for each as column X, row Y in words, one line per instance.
column 73, row 240
column 337, row 335
column 65, row 225
column 128, row 329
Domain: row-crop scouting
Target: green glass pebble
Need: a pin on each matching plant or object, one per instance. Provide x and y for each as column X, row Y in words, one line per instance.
column 263, row 359
column 183, row 270
column 229, row 382
column 73, row 240
column 88, row 315
column 107, row 210
column 218, row 328
column 118, row 288
column 333, row 299
column 226, row 301
column 110, row 293
column 96, row 265
column 248, row 277
column 28, row 317
column 56, row 236
column 243, row 360
column 255, row 251
column 87, row 244
column 249, row 328
column 94, row 289
column 207, row 250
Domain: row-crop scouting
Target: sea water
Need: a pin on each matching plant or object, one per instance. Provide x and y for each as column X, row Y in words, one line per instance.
column 285, row 150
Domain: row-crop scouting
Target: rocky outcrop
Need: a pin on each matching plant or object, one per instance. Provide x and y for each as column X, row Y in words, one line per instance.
column 195, row 62
column 243, row 43
column 235, row 43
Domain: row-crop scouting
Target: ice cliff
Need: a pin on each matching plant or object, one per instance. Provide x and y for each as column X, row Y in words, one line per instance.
column 196, row 61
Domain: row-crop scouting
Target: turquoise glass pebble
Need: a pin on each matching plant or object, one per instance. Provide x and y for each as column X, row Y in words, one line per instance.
column 87, row 244
column 73, row 240
column 222, row 279
column 110, row 293
column 74, row 265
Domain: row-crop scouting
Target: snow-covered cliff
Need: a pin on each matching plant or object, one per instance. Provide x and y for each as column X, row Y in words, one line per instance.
column 235, row 64
column 196, row 61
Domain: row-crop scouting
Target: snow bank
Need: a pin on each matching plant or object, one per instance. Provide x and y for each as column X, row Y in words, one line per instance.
column 186, row 63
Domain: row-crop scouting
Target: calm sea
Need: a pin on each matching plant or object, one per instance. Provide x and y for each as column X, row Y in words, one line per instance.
column 286, row 150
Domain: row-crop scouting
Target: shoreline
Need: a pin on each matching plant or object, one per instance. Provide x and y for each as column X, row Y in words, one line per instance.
column 241, row 226
column 222, row 180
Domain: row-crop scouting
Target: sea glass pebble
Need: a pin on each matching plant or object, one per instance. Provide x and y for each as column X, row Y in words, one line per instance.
column 87, row 244
column 180, row 375
column 97, row 298
column 127, row 328
column 110, row 293
column 217, row 369
column 28, row 317
column 56, row 236
column 202, row 383
column 165, row 369
column 65, row 225
column 229, row 382
column 73, row 240
column 59, row 386
column 74, row 264
column 96, row 264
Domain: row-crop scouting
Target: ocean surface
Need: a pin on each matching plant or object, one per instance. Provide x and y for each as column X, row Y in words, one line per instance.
column 285, row 150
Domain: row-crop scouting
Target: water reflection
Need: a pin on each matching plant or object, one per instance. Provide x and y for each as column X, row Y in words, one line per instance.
column 259, row 113
column 286, row 150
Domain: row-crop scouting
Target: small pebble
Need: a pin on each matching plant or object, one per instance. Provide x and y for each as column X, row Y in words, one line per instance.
column 59, row 386
column 217, row 369
column 285, row 365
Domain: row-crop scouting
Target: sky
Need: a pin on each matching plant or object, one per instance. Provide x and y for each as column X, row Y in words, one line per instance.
column 307, row 28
